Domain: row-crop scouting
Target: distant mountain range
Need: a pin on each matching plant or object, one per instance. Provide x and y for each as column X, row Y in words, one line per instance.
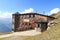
column 5, row 25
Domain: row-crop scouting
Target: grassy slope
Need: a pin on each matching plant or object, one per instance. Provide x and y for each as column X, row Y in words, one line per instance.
column 14, row 38
column 57, row 15
column 52, row 34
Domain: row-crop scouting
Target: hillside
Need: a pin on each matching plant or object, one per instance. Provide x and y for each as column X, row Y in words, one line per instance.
column 52, row 34
column 56, row 15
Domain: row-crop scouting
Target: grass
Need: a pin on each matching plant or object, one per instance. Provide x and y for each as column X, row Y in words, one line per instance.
column 14, row 38
column 52, row 34
column 4, row 33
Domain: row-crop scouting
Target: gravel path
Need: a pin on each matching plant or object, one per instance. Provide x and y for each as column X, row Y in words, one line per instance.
column 27, row 33
column 15, row 38
column 19, row 35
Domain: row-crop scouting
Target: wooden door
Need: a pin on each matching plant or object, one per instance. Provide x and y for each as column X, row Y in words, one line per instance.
column 33, row 25
column 43, row 26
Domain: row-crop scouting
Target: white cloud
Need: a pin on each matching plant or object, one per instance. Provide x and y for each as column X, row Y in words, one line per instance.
column 28, row 10
column 0, row 11
column 55, row 10
column 9, row 15
column 5, row 14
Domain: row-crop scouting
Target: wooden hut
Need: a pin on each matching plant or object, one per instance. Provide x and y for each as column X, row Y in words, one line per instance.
column 28, row 21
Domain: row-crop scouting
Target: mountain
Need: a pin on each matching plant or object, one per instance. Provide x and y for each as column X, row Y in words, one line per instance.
column 56, row 15
column 5, row 25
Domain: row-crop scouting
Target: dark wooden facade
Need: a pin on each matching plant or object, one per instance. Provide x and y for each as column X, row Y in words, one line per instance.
column 28, row 21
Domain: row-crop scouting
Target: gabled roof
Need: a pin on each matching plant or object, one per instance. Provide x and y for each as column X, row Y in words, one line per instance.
column 17, row 13
column 37, row 14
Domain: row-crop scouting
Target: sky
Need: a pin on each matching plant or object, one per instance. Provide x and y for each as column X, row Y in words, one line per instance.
column 8, row 7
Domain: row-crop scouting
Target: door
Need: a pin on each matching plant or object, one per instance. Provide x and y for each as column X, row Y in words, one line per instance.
column 33, row 25
column 43, row 26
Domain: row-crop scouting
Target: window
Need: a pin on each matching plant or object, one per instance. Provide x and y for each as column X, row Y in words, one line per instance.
column 24, row 16
column 33, row 15
column 25, row 23
column 29, row 24
column 29, row 16
column 21, row 23
column 38, row 25
column 21, row 16
column 13, row 20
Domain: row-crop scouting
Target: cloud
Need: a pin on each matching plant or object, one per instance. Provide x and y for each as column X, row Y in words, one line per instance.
column 28, row 10
column 5, row 14
column 9, row 14
column 53, row 11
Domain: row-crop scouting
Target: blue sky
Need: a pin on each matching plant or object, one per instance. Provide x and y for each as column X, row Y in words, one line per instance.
column 20, row 5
